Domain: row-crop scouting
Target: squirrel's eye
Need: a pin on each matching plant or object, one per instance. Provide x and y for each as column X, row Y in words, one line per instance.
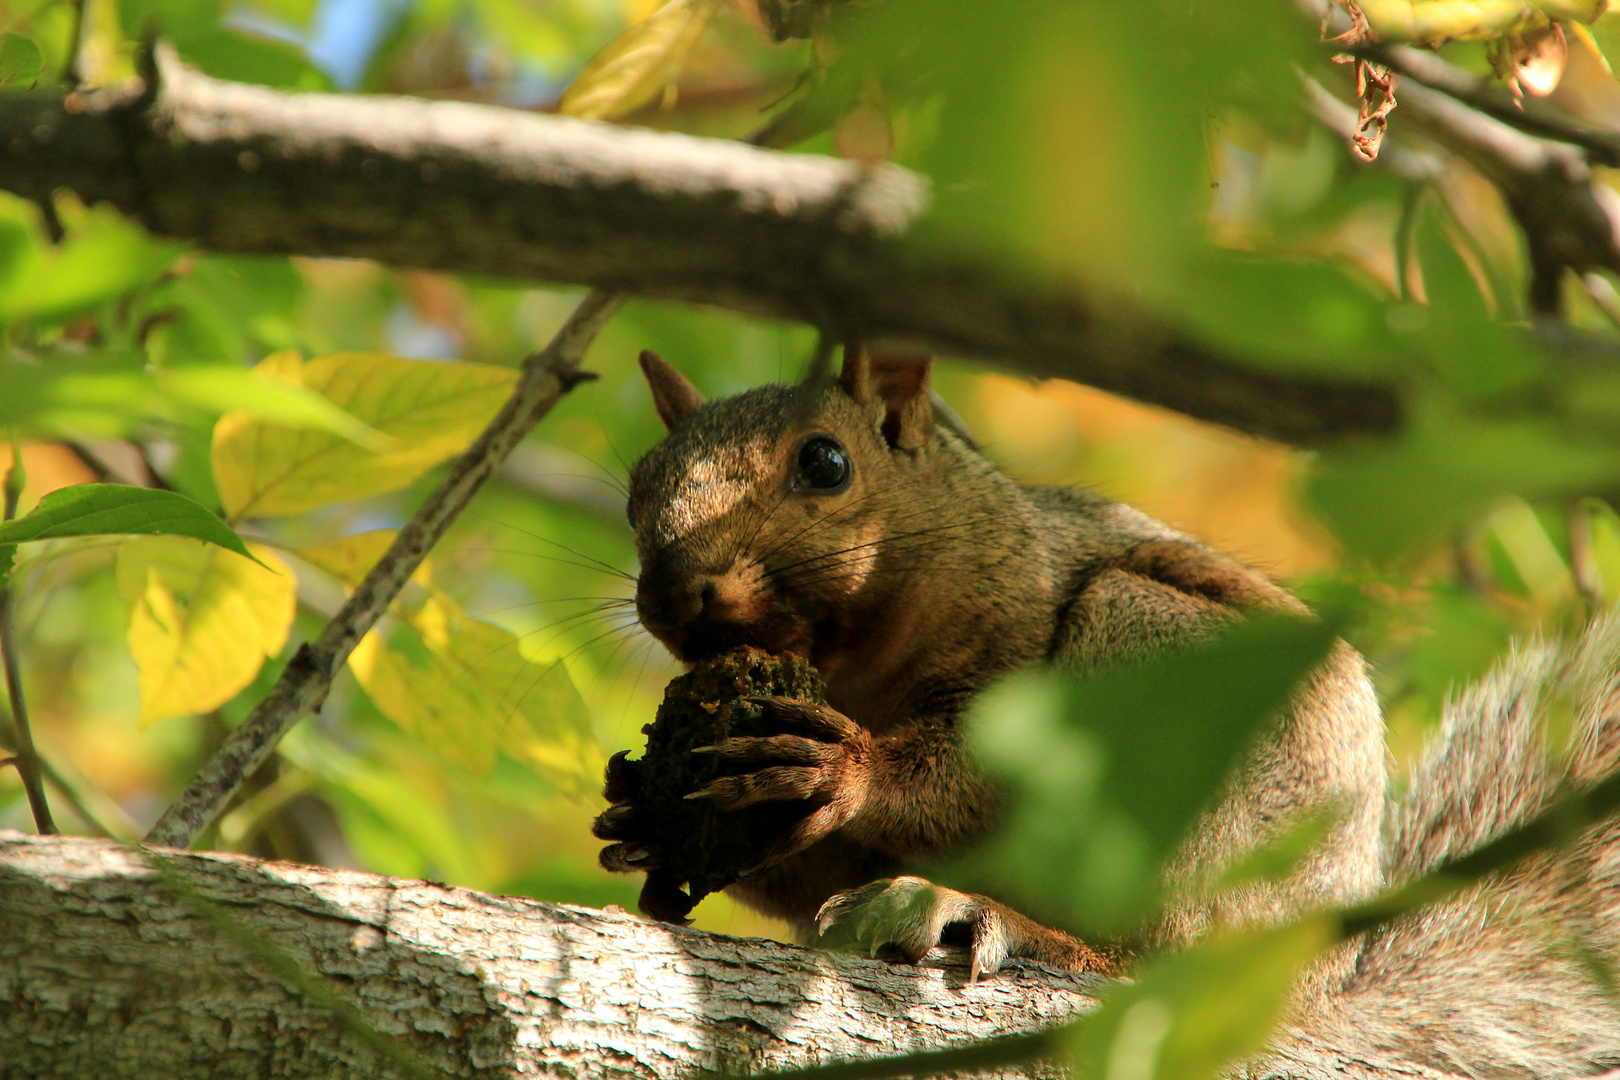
column 823, row 466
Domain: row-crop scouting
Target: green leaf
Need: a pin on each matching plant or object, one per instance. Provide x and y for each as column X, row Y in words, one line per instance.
column 21, row 63
column 225, row 389
column 1386, row 500
column 1109, row 770
column 103, row 257
column 639, row 63
column 430, row 411
column 119, row 509
column 469, row 692
column 1188, row 1016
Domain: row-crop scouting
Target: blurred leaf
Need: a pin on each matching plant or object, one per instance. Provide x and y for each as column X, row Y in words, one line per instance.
column 1292, row 313
column 1385, row 500
column 1188, row 1016
column 21, row 63
column 201, row 621
column 351, row 558
column 1474, row 353
column 224, row 389
column 433, row 410
column 637, row 65
column 472, row 692
column 112, row 509
column 103, row 257
column 229, row 53
column 294, row 13
column 1109, row 770
column 1435, row 21
column 1605, row 548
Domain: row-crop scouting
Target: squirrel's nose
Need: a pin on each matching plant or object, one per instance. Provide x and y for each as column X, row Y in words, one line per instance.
column 669, row 597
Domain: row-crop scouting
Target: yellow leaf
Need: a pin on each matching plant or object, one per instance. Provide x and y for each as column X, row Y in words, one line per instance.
column 431, row 410
column 472, row 693
column 634, row 67
column 351, row 558
column 1430, row 22
column 201, row 620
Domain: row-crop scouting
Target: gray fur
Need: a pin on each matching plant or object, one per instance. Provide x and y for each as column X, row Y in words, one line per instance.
column 1499, row 982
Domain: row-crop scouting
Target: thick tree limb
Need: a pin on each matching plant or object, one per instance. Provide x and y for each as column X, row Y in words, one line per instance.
column 111, row 969
column 467, row 188
column 302, row 686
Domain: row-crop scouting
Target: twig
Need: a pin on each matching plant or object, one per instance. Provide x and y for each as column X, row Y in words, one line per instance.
column 1583, row 567
column 302, row 687
column 1566, row 219
column 73, row 68
column 1603, row 295
column 1529, row 115
column 68, row 790
column 26, row 758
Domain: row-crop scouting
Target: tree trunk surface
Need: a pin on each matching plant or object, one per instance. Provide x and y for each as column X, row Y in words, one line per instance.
column 116, row 961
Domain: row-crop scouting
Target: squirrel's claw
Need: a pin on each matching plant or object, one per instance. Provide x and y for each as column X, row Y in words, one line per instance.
column 628, row 857
column 911, row 916
column 781, row 783
column 818, row 721
column 776, row 749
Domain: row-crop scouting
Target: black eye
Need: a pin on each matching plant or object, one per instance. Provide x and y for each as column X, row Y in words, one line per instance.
column 822, row 466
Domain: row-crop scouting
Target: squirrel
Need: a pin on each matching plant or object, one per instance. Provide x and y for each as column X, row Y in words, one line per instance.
column 837, row 520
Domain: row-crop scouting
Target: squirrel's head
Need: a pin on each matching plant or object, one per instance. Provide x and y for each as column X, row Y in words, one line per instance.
column 765, row 519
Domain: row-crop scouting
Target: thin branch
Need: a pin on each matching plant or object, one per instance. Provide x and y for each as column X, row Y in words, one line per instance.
column 1530, row 115
column 478, row 189
column 302, row 687
column 68, row 789
column 26, row 758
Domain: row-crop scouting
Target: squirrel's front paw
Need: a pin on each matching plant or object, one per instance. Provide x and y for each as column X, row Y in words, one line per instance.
column 823, row 764
column 620, row 821
column 913, row 915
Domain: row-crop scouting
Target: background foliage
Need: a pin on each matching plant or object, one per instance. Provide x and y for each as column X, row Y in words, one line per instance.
column 1156, row 151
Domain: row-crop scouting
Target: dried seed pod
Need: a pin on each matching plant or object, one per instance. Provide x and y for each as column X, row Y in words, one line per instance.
column 693, row 844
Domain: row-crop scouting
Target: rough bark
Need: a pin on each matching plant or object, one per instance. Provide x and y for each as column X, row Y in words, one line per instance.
column 477, row 189
column 110, row 968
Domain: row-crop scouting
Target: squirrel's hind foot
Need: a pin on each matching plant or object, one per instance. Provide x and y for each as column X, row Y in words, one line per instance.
column 911, row 915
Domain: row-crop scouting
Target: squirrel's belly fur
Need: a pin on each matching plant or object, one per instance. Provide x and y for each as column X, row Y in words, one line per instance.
column 836, row 521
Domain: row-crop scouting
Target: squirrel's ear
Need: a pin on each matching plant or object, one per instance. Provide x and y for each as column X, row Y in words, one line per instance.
column 674, row 396
column 900, row 381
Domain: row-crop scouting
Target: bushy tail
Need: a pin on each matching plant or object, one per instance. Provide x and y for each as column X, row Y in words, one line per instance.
column 1515, row 977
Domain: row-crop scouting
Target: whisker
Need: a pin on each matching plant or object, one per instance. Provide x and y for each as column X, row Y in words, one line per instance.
column 825, row 519
column 881, row 541
column 609, row 567
column 603, row 602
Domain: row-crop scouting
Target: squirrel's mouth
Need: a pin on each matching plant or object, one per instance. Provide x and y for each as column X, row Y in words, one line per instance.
column 699, row 639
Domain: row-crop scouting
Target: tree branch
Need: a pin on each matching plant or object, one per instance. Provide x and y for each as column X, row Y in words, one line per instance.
column 547, row 376
column 1483, row 95
column 108, row 970
column 476, row 189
